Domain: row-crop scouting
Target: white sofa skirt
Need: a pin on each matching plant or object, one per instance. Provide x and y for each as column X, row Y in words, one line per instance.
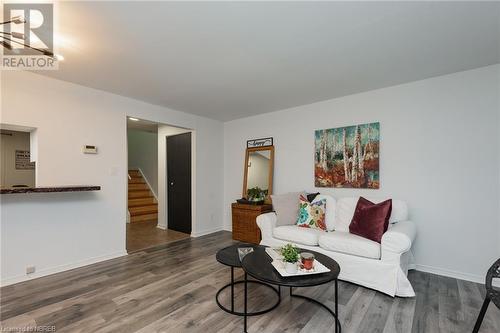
column 387, row 275
column 388, row 278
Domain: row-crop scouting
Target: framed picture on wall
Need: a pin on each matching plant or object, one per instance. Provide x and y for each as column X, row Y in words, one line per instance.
column 347, row 157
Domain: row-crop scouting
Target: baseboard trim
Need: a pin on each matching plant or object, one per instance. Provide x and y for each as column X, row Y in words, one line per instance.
column 60, row 268
column 162, row 227
column 451, row 273
column 206, row 232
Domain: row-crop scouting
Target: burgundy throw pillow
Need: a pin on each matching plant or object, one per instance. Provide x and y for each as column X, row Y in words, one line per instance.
column 371, row 220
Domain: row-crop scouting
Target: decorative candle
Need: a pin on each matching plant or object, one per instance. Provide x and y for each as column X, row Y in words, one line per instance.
column 307, row 260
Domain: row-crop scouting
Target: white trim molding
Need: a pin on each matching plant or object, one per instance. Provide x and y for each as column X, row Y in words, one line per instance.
column 206, row 232
column 58, row 269
column 454, row 274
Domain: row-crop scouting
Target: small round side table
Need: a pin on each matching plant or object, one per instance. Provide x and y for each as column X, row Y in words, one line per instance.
column 229, row 256
column 258, row 265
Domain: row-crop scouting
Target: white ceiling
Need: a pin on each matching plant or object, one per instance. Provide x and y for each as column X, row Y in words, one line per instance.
column 227, row 60
column 142, row 125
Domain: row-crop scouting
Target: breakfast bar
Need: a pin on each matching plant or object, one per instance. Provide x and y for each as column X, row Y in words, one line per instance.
column 50, row 189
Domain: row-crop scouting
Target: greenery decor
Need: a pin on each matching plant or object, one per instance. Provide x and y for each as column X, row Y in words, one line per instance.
column 256, row 194
column 290, row 253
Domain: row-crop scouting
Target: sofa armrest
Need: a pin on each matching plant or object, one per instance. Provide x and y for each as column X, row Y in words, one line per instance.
column 398, row 240
column 266, row 223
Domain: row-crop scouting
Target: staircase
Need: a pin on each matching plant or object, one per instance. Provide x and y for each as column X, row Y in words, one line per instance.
column 142, row 205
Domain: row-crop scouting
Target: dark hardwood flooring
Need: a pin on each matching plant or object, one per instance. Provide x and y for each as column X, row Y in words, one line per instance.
column 142, row 235
column 171, row 288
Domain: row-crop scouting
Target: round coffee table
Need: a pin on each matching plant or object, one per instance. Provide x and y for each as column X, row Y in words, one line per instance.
column 258, row 265
column 229, row 256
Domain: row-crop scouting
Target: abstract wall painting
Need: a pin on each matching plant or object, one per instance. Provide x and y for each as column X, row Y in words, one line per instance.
column 347, row 157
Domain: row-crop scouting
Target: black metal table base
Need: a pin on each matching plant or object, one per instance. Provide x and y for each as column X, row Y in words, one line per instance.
column 244, row 313
column 338, row 326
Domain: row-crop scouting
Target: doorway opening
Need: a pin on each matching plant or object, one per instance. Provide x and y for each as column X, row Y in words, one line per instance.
column 17, row 167
column 159, row 205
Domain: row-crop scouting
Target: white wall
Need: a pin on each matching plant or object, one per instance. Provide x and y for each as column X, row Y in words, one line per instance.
column 439, row 152
column 10, row 141
column 60, row 231
column 143, row 154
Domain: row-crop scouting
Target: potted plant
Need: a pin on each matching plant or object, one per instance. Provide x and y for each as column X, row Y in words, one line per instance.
column 256, row 195
column 290, row 257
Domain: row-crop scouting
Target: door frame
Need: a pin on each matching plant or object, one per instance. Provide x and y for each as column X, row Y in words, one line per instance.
column 162, row 182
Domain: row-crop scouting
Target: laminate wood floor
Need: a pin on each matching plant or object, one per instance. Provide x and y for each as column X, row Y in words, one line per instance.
column 142, row 235
column 171, row 288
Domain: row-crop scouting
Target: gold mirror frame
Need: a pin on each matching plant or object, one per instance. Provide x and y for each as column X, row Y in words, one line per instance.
column 271, row 170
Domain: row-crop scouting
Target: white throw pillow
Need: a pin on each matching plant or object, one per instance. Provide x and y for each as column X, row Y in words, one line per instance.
column 344, row 213
column 399, row 210
column 286, row 207
column 346, row 206
column 331, row 204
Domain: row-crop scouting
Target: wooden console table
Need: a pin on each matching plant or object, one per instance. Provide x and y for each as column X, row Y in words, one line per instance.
column 244, row 217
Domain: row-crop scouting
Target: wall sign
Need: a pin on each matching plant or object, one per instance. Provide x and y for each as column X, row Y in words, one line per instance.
column 23, row 160
column 264, row 142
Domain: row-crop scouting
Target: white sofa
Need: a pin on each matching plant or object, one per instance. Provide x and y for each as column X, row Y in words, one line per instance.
column 383, row 267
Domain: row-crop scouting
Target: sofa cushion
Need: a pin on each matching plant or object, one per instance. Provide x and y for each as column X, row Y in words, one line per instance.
column 371, row 220
column 286, row 207
column 399, row 211
column 344, row 211
column 344, row 242
column 312, row 214
column 331, row 205
column 296, row 234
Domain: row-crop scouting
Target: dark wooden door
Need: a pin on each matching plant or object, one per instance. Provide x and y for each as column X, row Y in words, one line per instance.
column 179, row 182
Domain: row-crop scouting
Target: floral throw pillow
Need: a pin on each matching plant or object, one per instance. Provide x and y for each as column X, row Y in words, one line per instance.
column 312, row 215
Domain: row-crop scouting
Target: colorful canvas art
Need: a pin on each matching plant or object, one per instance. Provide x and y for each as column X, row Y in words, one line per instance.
column 348, row 157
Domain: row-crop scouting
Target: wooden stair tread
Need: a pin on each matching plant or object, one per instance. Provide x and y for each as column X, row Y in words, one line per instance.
column 141, row 201
column 139, row 194
column 134, row 173
column 144, row 218
column 140, row 187
column 142, row 205
column 137, row 180
column 141, row 210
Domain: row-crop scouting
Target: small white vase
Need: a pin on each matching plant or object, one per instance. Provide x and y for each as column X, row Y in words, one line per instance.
column 291, row 267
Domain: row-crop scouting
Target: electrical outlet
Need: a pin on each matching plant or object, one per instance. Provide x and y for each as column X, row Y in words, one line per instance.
column 30, row 269
column 89, row 149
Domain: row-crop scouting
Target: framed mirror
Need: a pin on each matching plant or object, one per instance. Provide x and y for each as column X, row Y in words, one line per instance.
column 258, row 179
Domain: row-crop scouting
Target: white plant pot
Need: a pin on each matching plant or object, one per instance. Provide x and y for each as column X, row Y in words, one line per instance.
column 291, row 268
